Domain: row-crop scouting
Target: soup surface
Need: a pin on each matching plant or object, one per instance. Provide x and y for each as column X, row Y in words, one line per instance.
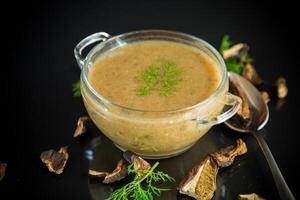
column 155, row 75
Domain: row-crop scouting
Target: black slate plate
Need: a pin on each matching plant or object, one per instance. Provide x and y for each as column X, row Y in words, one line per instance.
column 248, row 174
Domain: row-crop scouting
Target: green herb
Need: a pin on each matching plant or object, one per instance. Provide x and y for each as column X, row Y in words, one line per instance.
column 142, row 186
column 236, row 65
column 76, row 89
column 225, row 43
column 247, row 58
column 162, row 78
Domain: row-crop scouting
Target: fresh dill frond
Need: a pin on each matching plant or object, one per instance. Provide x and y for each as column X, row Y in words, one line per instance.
column 225, row 43
column 142, row 186
column 76, row 89
column 162, row 78
column 234, row 66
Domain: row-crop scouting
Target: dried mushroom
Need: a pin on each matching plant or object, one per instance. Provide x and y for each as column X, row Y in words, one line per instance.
column 98, row 174
column 244, row 112
column 252, row 196
column 235, row 51
column 201, row 180
column 265, row 96
column 250, row 74
column 2, row 170
column 119, row 173
column 139, row 163
column 225, row 157
column 281, row 88
column 55, row 161
column 81, row 126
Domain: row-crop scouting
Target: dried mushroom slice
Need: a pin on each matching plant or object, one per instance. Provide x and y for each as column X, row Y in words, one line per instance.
column 2, row 170
column 98, row 174
column 265, row 96
column 119, row 173
column 252, row 196
column 235, row 51
column 225, row 157
column 81, row 126
column 250, row 74
column 244, row 114
column 281, row 88
column 201, row 180
column 55, row 161
column 139, row 163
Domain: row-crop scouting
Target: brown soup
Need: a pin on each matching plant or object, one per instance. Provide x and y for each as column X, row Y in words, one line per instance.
column 155, row 75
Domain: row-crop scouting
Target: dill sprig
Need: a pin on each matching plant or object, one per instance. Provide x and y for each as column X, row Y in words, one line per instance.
column 142, row 186
column 162, row 78
column 225, row 43
column 76, row 89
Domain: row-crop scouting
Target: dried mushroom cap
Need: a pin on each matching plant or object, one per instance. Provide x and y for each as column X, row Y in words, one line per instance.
column 55, row 161
column 265, row 96
column 235, row 50
column 81, row 126
column 201, row 180
column 119, row 173
column 282, row 89
column 139, row 163
column 252, row 196
column 2, row 170
column 250, row 74
column 225, row 157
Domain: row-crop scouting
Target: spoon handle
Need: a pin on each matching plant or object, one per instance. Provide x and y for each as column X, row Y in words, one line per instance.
column 283, row 189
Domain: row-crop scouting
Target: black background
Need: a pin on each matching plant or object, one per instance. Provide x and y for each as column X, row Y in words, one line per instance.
column 38, row 69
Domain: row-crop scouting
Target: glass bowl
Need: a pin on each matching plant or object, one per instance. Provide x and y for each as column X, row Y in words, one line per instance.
column 153, row 134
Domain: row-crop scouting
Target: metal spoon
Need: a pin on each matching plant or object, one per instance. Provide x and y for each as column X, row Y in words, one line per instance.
column 260, row 118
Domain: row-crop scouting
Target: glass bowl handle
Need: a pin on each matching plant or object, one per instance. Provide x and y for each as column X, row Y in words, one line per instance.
column 232, row 102
column 96, row 37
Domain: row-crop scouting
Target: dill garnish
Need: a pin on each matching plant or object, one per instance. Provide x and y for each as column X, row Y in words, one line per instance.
column 162, row 78
column 142, row 186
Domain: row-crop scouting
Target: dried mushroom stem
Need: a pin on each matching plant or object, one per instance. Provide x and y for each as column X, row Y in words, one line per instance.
column 2, row 170
column 252, row 196
column 55, row 161
column 81, row 126
column 250, row 74
column 282, row 89
column 119, row 173
column 235, row 51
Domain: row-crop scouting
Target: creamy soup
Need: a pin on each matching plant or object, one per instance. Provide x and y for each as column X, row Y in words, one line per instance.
column 121, row 76
column 154, row 76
